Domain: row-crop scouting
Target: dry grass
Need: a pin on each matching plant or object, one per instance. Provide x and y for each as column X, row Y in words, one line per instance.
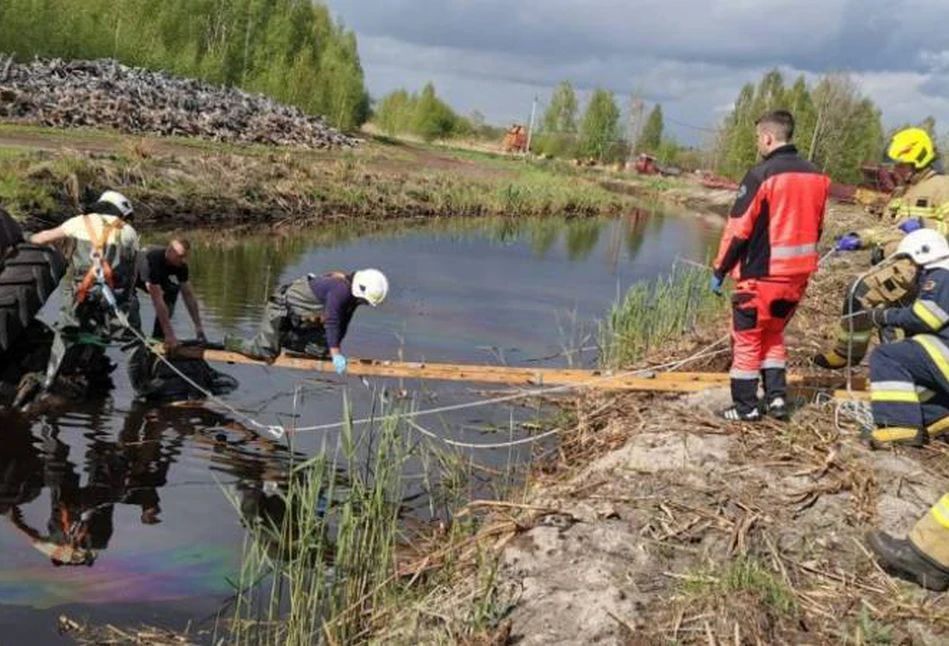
column 764, row 548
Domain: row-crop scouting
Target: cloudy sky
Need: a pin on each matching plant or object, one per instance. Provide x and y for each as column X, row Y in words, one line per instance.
column 691, row 55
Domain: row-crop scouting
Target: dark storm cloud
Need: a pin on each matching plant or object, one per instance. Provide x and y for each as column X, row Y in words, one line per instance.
column 691, row 55
column 808, row 34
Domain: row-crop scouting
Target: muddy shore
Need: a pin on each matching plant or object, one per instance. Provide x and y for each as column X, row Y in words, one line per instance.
column 661, row 524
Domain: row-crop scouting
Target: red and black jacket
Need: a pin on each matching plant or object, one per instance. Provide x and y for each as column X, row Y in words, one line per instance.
column 777, row 219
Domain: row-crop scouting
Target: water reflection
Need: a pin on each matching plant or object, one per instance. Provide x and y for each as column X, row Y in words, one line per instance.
column 582, row 237
column 149, row 480
column 84, row 488
column 235, row 276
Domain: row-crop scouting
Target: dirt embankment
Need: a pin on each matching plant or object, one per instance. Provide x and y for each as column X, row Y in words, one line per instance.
column 182, row 185
column 662, row 524
column 686, row 192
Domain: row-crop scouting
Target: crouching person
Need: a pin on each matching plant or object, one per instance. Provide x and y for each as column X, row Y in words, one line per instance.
column 923, row 558
column 909, row 379
column 311, row 315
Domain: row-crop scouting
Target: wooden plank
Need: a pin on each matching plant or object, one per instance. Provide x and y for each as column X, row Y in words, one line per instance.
column 659, row 381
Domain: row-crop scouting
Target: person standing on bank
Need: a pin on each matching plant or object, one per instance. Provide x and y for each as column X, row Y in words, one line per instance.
column 163, row 273
column 769, row 247
column 311, row 315
column 99, row 299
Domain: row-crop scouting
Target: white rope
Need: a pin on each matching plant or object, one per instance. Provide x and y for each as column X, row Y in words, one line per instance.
column 275, row 430
column 702, row 353
column 859, row 412
column 278, row 431
column 495, row 445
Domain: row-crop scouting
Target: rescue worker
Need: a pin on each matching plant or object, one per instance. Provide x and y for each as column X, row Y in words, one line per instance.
column 312, row 314
column 923, row 202
column 923, row 558
column 909, row 379
column 100, row 284
column 909, row 383
column 770, row 247
column 162, row 274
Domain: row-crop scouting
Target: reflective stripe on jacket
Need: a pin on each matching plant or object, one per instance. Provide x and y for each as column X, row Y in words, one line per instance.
column 777, row 219
column 929, row 313
column 926, row 197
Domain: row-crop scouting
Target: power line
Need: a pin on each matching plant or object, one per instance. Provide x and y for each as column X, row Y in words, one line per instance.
column 689, row 125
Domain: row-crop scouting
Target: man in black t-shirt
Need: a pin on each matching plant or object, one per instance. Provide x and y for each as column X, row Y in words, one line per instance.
column 162, row 273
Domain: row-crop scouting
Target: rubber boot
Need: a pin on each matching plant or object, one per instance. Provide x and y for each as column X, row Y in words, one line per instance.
column 829, row 360
column 882, row 437
column 901, row 558
column 241, row 346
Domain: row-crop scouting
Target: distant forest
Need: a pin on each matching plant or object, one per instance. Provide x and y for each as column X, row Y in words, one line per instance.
column 291, row 50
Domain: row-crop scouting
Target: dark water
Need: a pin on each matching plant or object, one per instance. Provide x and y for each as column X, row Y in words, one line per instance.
column 157, row 482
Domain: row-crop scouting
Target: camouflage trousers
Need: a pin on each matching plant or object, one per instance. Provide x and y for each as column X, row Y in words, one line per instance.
column 292, row 320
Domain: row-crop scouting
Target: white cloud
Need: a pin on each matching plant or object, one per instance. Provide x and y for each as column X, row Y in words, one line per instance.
column 691, row 55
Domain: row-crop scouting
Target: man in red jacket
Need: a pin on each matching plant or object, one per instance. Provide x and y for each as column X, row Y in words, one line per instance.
column 770, row 248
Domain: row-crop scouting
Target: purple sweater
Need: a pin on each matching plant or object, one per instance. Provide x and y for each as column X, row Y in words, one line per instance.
column 339, row 305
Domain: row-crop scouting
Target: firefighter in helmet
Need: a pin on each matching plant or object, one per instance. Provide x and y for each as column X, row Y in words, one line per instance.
column 922, row 203
column 909, row 383
column 99, row 299
column 312, row 314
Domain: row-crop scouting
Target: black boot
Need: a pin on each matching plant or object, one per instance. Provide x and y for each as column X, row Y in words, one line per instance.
column 883, row 437
column 829, row 360
column 745, row 398
column 776, row 392
column 778, row 409
column 901, row 558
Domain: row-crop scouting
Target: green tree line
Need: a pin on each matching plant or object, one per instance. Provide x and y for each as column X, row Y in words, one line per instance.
column 601, row 131
column 837, row 127
column 422, row 114
column 291, row 50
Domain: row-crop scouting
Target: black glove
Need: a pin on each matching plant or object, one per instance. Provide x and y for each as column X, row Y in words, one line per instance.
column 878, row 317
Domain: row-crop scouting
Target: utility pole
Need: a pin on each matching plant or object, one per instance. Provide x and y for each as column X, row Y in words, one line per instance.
column 635, row 126
column 530, row 129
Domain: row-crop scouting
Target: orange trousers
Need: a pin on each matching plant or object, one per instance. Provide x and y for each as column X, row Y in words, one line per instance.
column 761, row 309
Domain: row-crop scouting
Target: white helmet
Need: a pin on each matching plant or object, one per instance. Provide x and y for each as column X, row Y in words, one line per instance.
column 117, row 200
column 371, row 285
column 926, row 247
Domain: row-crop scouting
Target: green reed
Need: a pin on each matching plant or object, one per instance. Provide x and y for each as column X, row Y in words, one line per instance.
column 316, row 574
column 653, row 313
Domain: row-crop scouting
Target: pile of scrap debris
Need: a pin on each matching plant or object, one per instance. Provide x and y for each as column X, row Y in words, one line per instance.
column 104, row 93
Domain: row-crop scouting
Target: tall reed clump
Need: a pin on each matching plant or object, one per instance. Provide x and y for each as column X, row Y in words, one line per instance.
column 314, row 572
column 653, row 313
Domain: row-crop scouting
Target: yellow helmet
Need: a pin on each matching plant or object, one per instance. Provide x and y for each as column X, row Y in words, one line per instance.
column 912, row 146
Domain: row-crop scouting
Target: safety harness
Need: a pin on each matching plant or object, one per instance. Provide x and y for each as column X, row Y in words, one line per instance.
column 100, row 271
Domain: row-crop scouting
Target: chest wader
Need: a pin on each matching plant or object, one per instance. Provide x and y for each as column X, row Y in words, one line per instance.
column 890, row 284
column 87, row 322
column 169, row 294
column 293, row 319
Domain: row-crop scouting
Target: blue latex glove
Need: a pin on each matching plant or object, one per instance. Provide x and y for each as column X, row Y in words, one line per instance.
column 848, row 242
column 909, row 226
column 339, row 362
column 716, row 284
